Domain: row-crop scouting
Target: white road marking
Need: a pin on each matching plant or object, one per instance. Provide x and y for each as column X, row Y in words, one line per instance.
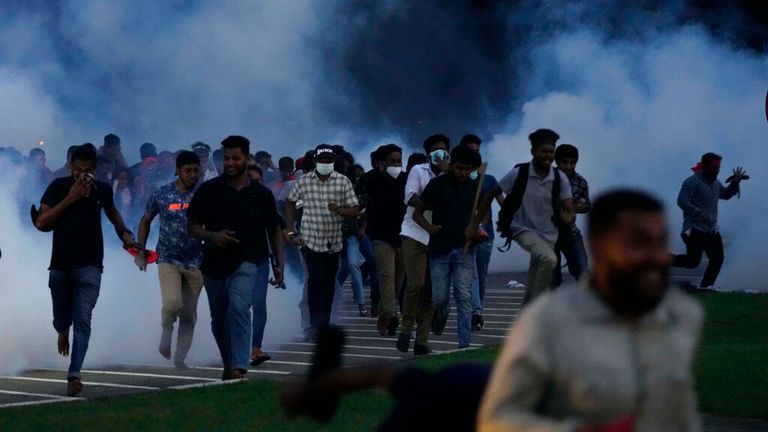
column 208, row 384
column 262, row 371
column 344, row 355
column 148, row 375
column 93, row 383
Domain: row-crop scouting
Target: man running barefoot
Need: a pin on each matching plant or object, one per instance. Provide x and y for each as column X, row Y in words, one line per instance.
column 71, row 207
column 179, row 256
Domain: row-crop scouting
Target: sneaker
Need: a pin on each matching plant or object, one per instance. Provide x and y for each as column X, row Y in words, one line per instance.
column 477, row 322
column 237, row 374
column 392, row 326
column 419, row 349
column 403, row 342
column 74, row 386
column 362, row 310
column 381, row 326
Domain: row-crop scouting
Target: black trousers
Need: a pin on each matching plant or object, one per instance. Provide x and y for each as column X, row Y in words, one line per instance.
column 696, row 243
column 321, row 285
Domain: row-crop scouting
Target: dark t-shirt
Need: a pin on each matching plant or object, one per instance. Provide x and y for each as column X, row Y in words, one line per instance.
column 386, row 207
column 451, row 206
column 77, row 237
column 248, row 212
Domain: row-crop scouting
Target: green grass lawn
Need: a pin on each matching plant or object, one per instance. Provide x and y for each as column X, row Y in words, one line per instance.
column 731, row 378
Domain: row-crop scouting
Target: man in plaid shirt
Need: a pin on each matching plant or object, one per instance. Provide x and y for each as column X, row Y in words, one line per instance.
column 328, row 199
column 569, row 240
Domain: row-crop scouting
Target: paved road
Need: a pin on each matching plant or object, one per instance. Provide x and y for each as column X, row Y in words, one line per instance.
column 291, row 358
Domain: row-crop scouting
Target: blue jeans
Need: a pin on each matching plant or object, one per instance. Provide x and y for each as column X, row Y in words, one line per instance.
column 366, row 248
column 571, row 245
column 259, row 300
column 453, row 269
column 229, row 298
column 479, row 281
column 74, row 294
column 349, row 265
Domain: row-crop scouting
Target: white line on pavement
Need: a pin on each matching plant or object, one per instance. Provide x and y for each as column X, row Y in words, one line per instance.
column 41, row 395
column 94, row 383
column 262, row 371
column 149, row 375
column 344, row 354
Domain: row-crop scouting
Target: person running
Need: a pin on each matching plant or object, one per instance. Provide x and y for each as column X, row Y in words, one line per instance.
column 614, row 351
column 71, row 207
column 179, row 256
column 328, row 198
column 538, row 199
column 385, row 195
column 417, row 300
column 698, row 198
column 483, row 248
column 236, row 217
column 451, row 261
column 569, row 240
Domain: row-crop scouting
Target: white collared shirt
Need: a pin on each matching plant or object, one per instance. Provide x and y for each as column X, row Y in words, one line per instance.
column 418, row 178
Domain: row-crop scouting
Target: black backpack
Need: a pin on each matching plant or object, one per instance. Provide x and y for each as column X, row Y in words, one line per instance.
column 514, row 199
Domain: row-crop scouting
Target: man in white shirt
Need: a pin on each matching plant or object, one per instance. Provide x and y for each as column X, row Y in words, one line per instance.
column 612, row 352
column 534, row 207
column 417, row 301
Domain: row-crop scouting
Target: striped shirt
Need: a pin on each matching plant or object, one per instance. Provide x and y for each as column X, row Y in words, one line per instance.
column 321, row 228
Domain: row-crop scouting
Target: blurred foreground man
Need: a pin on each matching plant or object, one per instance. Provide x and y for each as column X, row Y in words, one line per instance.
column 613, row 352
column 71, row 207
column 180, row 256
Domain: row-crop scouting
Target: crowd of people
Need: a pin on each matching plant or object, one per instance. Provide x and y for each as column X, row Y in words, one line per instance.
column 229, row 217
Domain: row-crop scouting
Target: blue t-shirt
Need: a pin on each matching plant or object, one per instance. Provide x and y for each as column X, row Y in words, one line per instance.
column 174, row 246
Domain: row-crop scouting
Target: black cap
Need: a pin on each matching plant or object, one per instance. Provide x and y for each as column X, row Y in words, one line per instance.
column 323, row 149
column 187, row 157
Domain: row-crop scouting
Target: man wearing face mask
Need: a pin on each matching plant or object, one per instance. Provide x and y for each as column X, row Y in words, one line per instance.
column 386, row 209
column 614, row 351
column 71, row 207
column 328, row 199
column 698, row 199
column 484, row 248
column 417, row 301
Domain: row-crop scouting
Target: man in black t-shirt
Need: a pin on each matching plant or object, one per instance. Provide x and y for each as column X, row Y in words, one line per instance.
column 451, row 197
column 71, row 207
column 234, row 216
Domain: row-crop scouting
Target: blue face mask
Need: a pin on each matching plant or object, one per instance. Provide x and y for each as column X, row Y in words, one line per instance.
column 473, row 175
column 438, row 155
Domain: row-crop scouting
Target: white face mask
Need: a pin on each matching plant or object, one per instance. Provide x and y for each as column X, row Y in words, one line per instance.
column 395, row 171
column 324, row 169
column 438, row 155
column 473, row 175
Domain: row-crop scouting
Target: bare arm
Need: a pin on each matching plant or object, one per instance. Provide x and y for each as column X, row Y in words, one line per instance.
column 568, row 213
column 418, row 217
column 290, row 215
column 48, row 215
column 144, row 226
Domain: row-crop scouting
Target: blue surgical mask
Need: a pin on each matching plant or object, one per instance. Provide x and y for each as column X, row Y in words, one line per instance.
column 438, row 155
column 324, row 169
column 473, row 175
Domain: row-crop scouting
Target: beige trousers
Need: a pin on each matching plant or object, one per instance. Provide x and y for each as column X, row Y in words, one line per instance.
column 542, row 264
column 180, row 290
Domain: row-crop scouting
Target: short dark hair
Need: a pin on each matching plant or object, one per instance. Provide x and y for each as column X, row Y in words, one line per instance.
column 709, row 157
column 607, row 208
column 543, row 136
column 309, row 161
column 564, row 151
column 469, row 139
column 237, row 141
column 465, row 155
column 86, row 153
column 415, row 159
column 385, row 150
column 36, row 151
column 187, row 157
column 111, row 139
column 261, row 155
column 434, row 139
column 70, row 150
column 376, row 156
column 286, row 162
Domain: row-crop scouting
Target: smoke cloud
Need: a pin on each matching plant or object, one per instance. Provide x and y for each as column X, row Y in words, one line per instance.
column 642, row 88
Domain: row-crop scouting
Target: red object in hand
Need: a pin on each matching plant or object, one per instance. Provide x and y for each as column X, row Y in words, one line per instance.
column 151, row 255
